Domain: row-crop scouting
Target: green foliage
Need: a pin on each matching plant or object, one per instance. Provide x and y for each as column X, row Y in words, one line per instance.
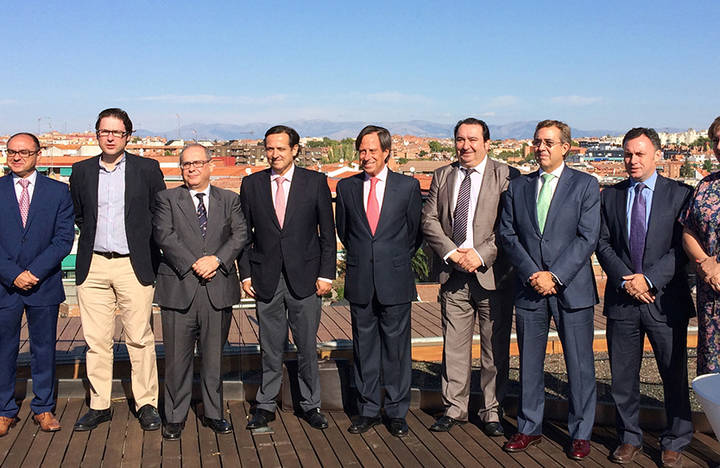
column 700, row 142
column 420, row 265
column 437, row 147
column 422, row 153
column 402, row 161
column 687, row 170
column 708, row 165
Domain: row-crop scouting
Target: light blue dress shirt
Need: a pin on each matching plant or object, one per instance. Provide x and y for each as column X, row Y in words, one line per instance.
column 110, row 235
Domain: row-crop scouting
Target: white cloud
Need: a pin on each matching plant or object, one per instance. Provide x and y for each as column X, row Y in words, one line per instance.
column 211, row 99
column 503, row 101
column 575, row 100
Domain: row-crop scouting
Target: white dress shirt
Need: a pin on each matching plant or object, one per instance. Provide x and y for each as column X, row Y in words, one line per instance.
column 379, row 188
column 553, row 182
column 31, row 186
column 206, row 199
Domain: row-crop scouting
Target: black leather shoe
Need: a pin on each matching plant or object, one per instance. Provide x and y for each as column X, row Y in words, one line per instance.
column 220, row 426
column 261, row 418
column 172, row 431
column 493, row 429
column 398, row 427
column 363, row 424
column 315, row 418
column 149, row 418
column 92, row 418
column 445, row 423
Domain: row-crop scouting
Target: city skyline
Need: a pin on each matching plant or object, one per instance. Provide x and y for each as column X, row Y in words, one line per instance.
column 176, row 64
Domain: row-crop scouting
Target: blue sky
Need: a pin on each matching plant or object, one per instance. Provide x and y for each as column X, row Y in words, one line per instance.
column 596, row 65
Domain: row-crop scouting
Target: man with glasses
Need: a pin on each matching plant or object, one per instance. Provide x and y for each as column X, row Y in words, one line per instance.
column 549, row 229
column 114, row 197
column 201, row 231
column 35, row 235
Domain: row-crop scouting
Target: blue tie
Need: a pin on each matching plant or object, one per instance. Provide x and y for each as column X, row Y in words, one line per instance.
column 202, row 214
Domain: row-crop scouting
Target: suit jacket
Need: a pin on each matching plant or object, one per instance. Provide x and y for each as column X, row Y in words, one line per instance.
column 176, row 231
column 380, row 264
column 143, row 179
column 564, row 248
column 437, row 221
column 305, row 247
column 38, row 247
column 664, row 260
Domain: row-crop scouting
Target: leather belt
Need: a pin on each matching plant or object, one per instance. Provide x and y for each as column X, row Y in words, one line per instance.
column 110, row 255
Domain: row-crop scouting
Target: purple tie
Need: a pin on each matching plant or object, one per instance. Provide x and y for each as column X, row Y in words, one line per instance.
column 637, row 229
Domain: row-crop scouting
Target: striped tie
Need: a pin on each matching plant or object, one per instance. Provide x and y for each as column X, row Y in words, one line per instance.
column 462, row 209
column 202, row 214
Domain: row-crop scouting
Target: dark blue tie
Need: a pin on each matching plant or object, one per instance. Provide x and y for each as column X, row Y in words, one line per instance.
column 638, row 229
column 202, row 214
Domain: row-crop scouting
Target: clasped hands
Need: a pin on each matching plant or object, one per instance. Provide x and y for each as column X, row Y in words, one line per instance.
column 708, row 270
column 321, row 287
column 26, row 281
column 543, row 283
column 467, row 259
column 637, row 287
column 206, row 267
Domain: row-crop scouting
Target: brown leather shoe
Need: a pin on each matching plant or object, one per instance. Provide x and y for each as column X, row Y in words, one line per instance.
column 47, row 422
column 671, row 459
column 6, row 423
column 625, row 453
column 519, row 442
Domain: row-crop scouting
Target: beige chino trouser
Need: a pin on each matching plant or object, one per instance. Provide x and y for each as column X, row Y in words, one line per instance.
column 111, row 284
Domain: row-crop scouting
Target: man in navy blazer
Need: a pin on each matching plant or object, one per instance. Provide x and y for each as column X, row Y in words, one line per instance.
column 378, row 220
column 647, row 292
column 549, row 229
column 36, row 234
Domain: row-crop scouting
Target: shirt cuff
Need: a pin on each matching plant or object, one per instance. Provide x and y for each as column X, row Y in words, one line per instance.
column 482, row 262
column 245, row 279
column 556, row 279
column 447, row 255
column 325, row 280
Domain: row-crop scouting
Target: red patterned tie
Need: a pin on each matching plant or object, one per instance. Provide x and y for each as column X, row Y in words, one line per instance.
column 373, row 209
column 280, row 201
column 24, row 200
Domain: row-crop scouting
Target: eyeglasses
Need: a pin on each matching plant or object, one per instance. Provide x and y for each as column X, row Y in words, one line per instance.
column 22, row 153
column 199, row 164
column 547, row 143
column 115, row 133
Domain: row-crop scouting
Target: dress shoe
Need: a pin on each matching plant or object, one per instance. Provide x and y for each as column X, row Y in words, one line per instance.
column 172, row 431
column 47, row 422
column 92, row 418
column 363, row 424
column 149, row 418
column 671, row 459
column 315, row 418
column 261, row 418
column 444, row 423
column 493, row 429
column 625, row 453
column 398, row 427
column 219, row 426
column 519, row 442
column 6, row 423
column 579, row 449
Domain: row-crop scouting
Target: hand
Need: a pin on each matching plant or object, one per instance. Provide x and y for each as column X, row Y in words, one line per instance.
column 470, row 260
column 26, row 281
column 543, row 283
column 322, row 287
column 206, row 266
column 637, row 287
column 456, row 256
column 707, row 267
column 247, row 287
column 714, row 282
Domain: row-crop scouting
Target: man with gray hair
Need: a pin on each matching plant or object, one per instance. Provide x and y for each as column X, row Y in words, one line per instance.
column 201, row 231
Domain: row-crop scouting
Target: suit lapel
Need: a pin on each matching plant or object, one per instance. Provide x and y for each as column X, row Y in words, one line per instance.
column 530, row 202
column 36, row 201
column 132, row 178
column 92, row 185
column 562, row 190
column 620, row 212
column 388, row 197
column 215, row 214
column 357, row 195
column 8, row 191
column 187, row 208
column 297, row 188
column 488, row 185
column 660, row 198
column 265, row 197
column 449, row 190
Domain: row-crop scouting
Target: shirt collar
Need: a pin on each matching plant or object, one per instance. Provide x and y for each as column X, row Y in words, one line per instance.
column 206, row 192
column 557, row 172
column 479, row 167
column 32, row 178
column 382, row 176
column 649, row 183
column 117, row 164
column 287, row 176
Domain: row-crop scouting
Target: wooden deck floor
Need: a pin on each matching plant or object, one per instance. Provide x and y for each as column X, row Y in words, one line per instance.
column 122, row 443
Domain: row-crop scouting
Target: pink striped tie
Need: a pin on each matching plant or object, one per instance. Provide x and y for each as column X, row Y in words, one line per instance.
column 24, row 200
column 280, row 201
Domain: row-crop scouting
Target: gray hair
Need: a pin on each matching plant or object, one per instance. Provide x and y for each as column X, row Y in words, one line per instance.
column 194, row 145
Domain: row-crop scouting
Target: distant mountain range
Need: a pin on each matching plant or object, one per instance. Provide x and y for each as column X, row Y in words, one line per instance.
column 339, row 130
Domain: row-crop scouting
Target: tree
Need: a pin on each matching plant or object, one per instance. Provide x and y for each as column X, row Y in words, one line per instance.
column 700, row 142
column 402, row 161
column 707, row 165
column 687, row 170
column 422, row 153
column 437, row 147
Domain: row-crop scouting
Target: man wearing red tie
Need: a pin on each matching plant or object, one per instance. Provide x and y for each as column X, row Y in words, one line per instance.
column 378, row 218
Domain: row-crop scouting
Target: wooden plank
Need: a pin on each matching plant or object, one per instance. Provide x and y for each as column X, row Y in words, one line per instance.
column 375, row 441
column 7, row 442
column 243, row 439
column 610, row 436
column 116, row 436
column 365, row 455
column 598, row 453
column 432, row 444
column 300, row 442
column 40, row 445
column 60, row 441
column 555, row 445
column 133, row 453
column 283, row 446
column 494, row 451
column 405, row 456
column 448, row 441
column 209, row 451
column 340, row 446
column 25, row 430
column 96, row 443
column 151, row 446
column 189, row 442
column 706, row 447
column 228, row 450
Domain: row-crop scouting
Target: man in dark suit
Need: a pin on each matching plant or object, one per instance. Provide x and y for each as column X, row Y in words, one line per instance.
column 201, row 231
column 289, row 265
column 549, row 229
column 114, row 196
column 460, row 218
column 647, row 292
column 378, row 220
column 36, row 234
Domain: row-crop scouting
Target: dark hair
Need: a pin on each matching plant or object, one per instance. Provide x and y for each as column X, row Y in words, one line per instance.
column 713, row 128
column 290, row 132
column 32, row 137
column 640, row 131
column 562, row 126
column 118, row 114
column 383, row 135
column 473, row 121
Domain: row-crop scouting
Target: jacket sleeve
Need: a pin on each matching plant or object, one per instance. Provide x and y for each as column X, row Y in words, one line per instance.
column 328, row 244
column 431, row 225
column 413, row 215
column 243, row 259
column 610, row 262
column 230, row 250
column 512, row 247
column 165, row 236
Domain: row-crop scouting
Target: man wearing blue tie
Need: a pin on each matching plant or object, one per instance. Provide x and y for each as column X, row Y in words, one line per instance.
column 36, row 234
